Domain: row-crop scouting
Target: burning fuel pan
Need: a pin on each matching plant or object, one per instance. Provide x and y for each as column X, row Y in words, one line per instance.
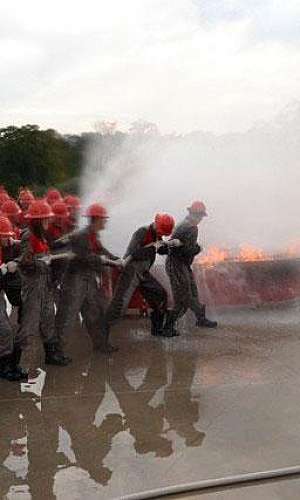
column 260, row 282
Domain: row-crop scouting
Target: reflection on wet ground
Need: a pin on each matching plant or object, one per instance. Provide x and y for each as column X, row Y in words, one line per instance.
column 159, row 412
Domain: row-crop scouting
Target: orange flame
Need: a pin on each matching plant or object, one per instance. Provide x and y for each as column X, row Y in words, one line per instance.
column 249, row 253
column 213, row 256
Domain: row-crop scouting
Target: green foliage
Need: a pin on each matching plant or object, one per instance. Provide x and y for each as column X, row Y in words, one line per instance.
column 38, row 158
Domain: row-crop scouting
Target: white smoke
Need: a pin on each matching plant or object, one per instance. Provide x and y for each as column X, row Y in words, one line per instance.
column 249, row 181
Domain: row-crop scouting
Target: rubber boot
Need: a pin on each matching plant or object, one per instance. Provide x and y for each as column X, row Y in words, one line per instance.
column 15, row 363
column 169, row 328
column 105, row 346
column 10, row 371
column 55, row 356
column 204, row 322
column 157, row 321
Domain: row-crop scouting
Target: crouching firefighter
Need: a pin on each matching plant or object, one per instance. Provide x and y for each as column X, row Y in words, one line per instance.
column 81, row 289
column 9, row 354
column 179, row 269
column 139, row 258
column 38, row 312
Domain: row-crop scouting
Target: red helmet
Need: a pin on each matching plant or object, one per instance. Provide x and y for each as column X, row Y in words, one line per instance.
column 3, row 198
column 6, row 228
column 164, row 224
column 39, row 209
column 72, row 201
column 60, row 209
column 53, row 195
column 197, row 208
column 10, row 208
column 96, row 210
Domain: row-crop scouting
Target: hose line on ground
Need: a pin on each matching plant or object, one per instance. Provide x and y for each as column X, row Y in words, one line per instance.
column 214, row 483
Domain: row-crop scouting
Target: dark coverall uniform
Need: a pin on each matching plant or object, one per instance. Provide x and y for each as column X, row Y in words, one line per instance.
column 179, row 270
column 12, row 281
column 38, row 314
column 10, row 284
column 81, row 287
column 6, row 332
column 137, row 274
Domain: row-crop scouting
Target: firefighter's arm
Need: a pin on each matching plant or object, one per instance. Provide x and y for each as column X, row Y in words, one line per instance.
column 135, row 249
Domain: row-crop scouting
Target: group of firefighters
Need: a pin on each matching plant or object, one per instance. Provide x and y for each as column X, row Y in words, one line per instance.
column 50, row 270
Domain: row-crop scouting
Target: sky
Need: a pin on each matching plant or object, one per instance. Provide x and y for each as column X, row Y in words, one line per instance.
column 212, row 65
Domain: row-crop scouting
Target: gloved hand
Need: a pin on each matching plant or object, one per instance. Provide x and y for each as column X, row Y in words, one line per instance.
column 3, row 269
column 12, row 266
column 120, row 262
column 174, row 243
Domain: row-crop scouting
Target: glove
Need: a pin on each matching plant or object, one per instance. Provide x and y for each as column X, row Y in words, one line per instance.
column 3, row 269
column 174, row 243
column 12, row 266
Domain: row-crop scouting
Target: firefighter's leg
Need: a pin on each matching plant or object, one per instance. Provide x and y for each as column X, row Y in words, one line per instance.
column 157, row 298
column 93, row 314
column 197, row 307
column 73, row 294
column 126, row 285
column 27, row 337
column 54, row 354
column 6, row 341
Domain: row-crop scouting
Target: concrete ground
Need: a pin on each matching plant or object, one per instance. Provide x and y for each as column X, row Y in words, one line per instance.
column 160, row 412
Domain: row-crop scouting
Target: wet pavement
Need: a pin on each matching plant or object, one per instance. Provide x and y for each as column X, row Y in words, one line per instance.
column 160, row 412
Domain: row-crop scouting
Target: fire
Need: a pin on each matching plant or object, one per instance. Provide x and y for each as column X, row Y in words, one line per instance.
column 249, row 253
column 213, row 256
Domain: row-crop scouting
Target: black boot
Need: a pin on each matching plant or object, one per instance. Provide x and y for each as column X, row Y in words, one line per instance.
column 169, row 328
column 15, row 359
column 204, row 322
column 9, row 370
column 157, row 321
column 55, row 356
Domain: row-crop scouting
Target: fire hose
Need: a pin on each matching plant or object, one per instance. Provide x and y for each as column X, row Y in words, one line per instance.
column 221, row 482
column 47, row 259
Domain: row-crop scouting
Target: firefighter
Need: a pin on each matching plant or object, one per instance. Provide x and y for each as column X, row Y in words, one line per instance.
column 53, row 196
column 11, row 281
column 12, row 211
column 38, row 313
column 179, row 269
column 59, row 224
column 139, row 258
column 3, row 198
column 9, row 353
column 73, row 205
column 81, row 287
column 25, row 199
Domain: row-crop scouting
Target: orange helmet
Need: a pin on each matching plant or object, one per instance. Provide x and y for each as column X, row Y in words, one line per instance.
column 72, row 201
column 6, row 228
column 3, row 198
column 60, row 210
column 10, row 208
column 96, row 210
column 52, row 196
column 164, row 224
column 39, row 209
column 197, row 208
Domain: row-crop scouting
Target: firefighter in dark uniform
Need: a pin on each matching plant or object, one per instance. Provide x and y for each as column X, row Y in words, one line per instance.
column 9, row 354
column 179, row 269
column 139, row 258
column 38, row 313
column 81, row 288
